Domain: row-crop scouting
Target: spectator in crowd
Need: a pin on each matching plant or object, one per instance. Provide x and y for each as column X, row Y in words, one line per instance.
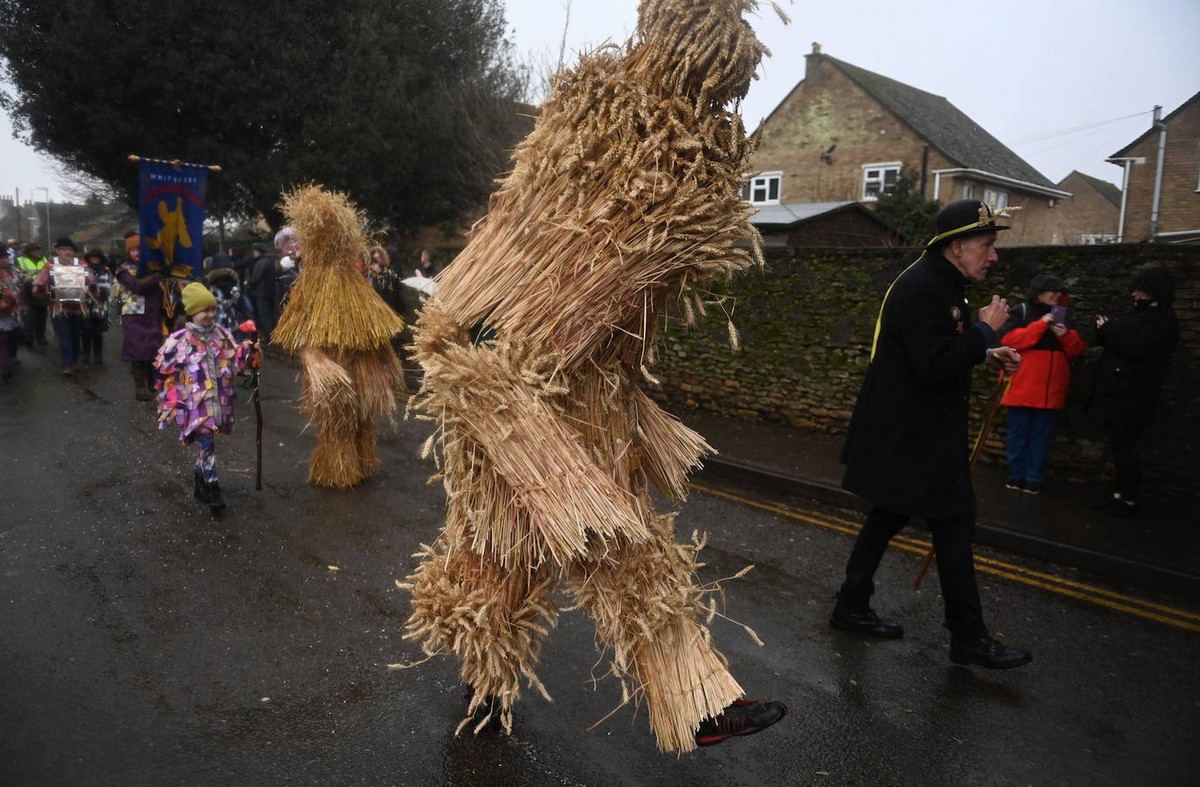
column 95, row 322
column 261, row 284
column 37, row 297
column 223, row 283
column 1038, row 330
column 1129, row 379
column 288, row 246
column 427, row 264
column 11, row 299
column 141, row 319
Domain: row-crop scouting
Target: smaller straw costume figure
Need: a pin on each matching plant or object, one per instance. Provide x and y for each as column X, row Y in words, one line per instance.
column 342, row 331
column 534, row 347
column 195, row 369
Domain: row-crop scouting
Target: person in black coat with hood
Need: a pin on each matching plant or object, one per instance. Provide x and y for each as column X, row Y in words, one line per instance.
column 1129, row 378
column 906, row 446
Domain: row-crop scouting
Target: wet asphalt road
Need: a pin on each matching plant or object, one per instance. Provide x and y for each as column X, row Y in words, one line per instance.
column 146, row 643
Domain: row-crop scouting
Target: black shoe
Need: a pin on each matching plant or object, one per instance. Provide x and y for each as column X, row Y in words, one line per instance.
column 743, row 717
column 200, row 490
column 865, row 623
column 1015, row 484
column 215, row 501
column 988, row 652
column 1033, row 487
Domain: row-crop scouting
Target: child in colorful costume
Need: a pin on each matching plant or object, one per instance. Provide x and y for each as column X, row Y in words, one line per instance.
column 196, row 367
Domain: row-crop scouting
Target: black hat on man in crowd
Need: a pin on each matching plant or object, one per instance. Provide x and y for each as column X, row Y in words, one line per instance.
column 962, row 218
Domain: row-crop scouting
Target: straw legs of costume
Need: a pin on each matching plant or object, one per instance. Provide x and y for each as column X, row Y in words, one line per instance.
column 207, row 490
column 952, row 539
column 494, row 619
column 1027, row 444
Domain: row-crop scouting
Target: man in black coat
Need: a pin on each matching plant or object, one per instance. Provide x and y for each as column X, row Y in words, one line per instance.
column 261, row 283
column 906, row 447
column 1129, row 378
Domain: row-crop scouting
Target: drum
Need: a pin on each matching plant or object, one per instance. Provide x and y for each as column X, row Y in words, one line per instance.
column 70, row 283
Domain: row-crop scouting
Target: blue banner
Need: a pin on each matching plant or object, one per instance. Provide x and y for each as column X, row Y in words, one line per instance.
column 171, row 215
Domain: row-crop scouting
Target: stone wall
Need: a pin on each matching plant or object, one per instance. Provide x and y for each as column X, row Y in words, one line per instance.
column 806, row 322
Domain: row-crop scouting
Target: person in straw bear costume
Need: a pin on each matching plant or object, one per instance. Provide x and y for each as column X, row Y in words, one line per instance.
column 342, row 330
column 626, row 193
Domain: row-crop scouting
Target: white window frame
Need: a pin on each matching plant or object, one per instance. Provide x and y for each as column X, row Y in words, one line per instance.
column 968, row 190
column 763, row 188
column 995, row 199
column 875, row 179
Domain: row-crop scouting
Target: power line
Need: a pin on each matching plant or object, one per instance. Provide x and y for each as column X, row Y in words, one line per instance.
column 1076, row 129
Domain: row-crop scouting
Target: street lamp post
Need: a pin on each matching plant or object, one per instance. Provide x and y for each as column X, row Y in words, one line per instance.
column 49, row 248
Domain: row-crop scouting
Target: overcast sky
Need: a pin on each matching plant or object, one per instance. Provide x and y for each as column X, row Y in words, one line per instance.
column 1063, row 83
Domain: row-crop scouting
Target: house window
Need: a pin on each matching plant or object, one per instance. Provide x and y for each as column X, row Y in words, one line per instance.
column 995, row 199
column 879, row 180
column 968, row 191
column 763, row 189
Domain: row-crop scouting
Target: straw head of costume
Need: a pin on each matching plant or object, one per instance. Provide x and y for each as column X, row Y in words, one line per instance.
column 535, row 347
column 342, row 330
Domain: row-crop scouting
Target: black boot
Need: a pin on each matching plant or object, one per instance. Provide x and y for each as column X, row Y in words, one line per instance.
column 215, row 501
column 98, row 347
column 200, row 492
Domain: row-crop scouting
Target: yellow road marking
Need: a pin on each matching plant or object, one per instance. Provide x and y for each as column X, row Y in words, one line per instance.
column 1119, row 602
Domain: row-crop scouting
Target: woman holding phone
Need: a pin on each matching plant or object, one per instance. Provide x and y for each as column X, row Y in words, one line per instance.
column 1040, row 330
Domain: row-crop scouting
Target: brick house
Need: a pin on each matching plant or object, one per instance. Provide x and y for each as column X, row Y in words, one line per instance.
column 844, row 133
column 1089, row 216
column 1162, row 179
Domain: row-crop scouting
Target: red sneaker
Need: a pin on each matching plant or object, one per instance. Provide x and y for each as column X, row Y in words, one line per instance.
column 743, row 717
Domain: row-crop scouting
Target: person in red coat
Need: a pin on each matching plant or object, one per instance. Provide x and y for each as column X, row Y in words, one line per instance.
column 1038, row 330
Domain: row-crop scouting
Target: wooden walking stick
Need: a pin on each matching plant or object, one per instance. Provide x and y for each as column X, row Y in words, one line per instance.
column 254, row 364
column 1002, row 383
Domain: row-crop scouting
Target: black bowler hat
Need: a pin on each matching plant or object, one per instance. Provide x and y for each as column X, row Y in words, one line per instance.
column 965, row 217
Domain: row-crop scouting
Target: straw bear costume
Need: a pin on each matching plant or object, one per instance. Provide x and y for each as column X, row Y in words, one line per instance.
column 535, row 346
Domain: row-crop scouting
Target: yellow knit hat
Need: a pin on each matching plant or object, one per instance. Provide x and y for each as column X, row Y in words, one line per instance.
column 197, row 298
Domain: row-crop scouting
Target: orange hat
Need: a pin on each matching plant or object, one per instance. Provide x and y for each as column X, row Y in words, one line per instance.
column 132, row 241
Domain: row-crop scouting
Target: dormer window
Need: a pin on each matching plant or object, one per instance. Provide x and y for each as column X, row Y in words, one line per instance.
column 880, row 179
column 763, row 188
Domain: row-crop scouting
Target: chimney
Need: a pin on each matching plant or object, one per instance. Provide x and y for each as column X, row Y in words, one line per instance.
column 812, row 60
